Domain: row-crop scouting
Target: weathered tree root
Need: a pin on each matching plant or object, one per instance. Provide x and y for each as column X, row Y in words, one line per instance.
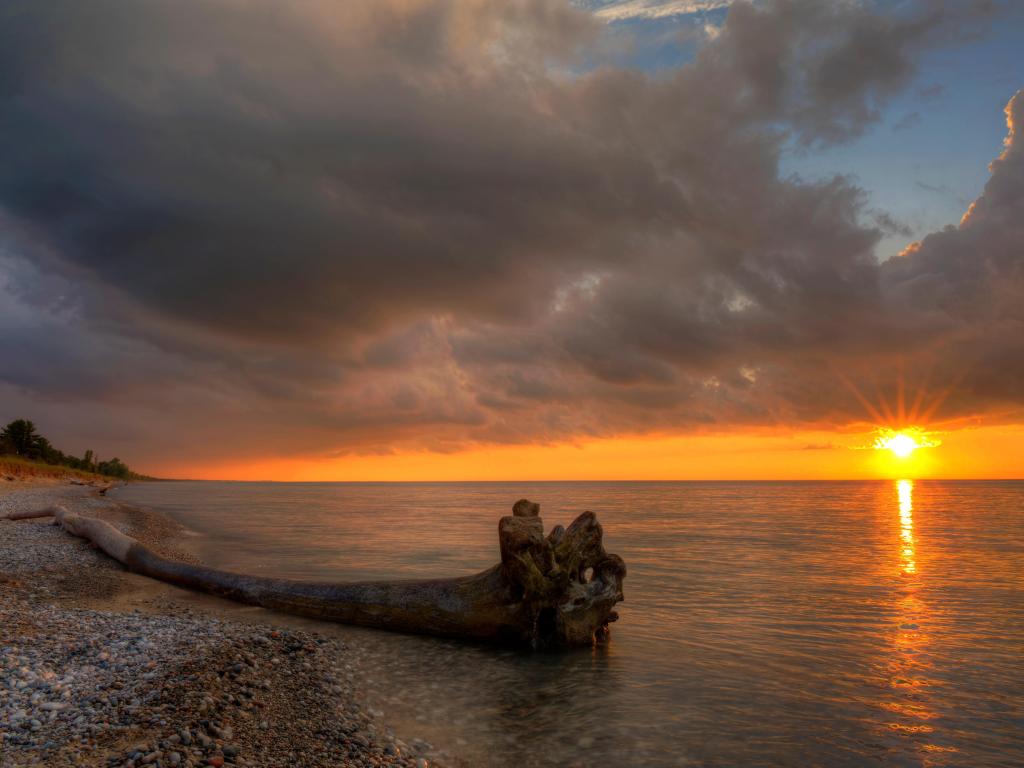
column 547, row 592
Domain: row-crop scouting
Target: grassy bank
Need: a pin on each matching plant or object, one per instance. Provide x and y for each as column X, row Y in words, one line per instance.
column 17, row 468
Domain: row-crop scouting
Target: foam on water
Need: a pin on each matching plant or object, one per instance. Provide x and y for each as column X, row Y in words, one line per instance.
column 765, row 623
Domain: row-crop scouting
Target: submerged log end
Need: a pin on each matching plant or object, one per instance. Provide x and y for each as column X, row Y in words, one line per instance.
column 567, row 584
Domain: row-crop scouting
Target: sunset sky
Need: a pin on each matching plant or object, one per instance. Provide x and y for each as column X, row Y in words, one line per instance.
column 515, row 239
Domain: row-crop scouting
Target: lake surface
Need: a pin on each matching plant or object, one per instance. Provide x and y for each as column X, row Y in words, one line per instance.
column 765, row 624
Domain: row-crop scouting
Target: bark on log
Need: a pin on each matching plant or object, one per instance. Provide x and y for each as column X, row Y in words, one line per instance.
column 547, row 592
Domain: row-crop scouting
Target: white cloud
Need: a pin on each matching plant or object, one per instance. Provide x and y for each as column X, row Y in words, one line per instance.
column 621, row 10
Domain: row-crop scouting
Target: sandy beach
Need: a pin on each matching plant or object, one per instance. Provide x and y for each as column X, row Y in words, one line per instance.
column 105, row 668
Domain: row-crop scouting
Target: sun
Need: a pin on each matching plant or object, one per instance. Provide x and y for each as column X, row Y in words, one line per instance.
column 903, row 442
column 902, row 445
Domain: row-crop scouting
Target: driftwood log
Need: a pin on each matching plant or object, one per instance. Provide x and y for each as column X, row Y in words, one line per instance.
column 551, row 591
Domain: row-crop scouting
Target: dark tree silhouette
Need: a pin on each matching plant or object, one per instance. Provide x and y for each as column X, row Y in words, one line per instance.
column 114, row 467
column 20, row 438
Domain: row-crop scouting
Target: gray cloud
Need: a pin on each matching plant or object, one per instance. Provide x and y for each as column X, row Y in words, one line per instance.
column 908, row 121
column 270, row 228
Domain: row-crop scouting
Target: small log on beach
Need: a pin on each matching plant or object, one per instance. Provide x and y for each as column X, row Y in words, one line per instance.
column 551, row 591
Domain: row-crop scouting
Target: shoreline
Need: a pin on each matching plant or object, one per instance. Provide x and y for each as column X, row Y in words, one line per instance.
column 101, row 667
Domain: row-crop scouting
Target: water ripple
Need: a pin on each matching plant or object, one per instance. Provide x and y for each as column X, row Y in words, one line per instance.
column 772, row 624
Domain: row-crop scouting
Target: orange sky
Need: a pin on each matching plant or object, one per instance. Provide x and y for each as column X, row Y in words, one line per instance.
column 983, row 452
column 514, row 223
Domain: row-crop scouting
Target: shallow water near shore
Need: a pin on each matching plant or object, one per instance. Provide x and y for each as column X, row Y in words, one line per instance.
column 860, row 623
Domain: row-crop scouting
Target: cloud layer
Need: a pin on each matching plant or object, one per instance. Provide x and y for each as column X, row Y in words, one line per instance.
column 262, row 228
column 621, row 10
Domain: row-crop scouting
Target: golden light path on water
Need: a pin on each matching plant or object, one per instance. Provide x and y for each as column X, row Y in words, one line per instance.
column 905, row 493
column 906, row 673
column 911, row 667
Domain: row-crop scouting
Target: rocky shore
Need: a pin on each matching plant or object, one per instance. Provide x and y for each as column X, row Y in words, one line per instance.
column 85, row 681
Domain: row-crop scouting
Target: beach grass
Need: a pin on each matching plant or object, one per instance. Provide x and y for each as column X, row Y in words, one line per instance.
column 18, row 468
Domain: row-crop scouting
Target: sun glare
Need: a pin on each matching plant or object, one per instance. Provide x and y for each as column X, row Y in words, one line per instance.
column 904, row 442
column 902, row 445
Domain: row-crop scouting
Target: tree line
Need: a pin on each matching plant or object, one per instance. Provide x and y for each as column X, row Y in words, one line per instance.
column 19, row 438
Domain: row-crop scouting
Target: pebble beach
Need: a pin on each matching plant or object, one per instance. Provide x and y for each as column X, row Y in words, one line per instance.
column 86, row 680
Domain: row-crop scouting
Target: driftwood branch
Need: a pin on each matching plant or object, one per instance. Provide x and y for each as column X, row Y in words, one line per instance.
column 102, row 488
column 29, row 514
column 548, row 591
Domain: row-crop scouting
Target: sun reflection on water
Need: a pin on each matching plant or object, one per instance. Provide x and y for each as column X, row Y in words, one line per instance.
column 911, row 673
column 905, row 491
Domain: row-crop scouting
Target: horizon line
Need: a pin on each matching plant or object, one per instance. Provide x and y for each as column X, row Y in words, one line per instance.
column 615, row 480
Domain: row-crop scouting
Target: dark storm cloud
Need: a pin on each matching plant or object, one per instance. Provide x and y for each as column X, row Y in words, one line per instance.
column 275, row 174
column 420, row 220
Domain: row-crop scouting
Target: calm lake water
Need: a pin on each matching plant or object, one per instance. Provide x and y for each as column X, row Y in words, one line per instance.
column 765, row 624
